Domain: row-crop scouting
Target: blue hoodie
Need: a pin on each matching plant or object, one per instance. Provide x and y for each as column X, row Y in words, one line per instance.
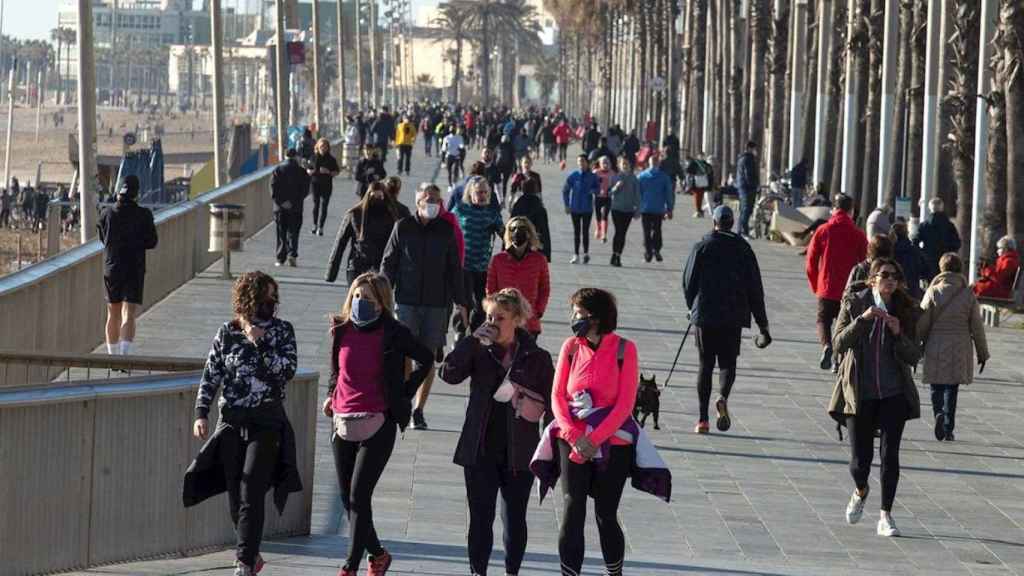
column 579, row 191
column 656, row 194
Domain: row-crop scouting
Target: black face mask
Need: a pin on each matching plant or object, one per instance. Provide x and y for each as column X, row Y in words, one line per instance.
column 581, row 326
column 519, row 238
column 266, row 310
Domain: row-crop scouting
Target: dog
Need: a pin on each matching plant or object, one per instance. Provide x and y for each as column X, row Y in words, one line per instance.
column 648, row 401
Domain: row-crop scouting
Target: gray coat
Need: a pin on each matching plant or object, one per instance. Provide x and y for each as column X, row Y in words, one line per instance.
column 948, row 334
column 625, row 193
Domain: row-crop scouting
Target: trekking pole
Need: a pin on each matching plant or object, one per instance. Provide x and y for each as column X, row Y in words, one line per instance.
column 678, row 352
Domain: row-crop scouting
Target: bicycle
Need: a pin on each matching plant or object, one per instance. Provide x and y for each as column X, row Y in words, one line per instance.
column 765, row 206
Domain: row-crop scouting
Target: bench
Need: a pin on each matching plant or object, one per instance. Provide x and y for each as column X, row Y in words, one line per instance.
column 993, row 308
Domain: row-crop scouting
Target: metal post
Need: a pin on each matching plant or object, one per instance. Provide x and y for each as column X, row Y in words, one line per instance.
column 359, row 57
column 10, row 125
column 988, row 29
column 933, row 59
column 225, row 246
column 3, row 3
column 851, row 109
column 282, row 83
column 39, row 102
column 53, row 229
column 217, row 35
column 799, row 78
column 317, row 111
column 889, row 54
column 342, row 92
column 824, row 88
column 372, row 31
column 86, row 122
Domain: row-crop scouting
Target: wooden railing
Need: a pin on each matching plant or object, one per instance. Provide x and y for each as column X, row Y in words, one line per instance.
column 22, row 368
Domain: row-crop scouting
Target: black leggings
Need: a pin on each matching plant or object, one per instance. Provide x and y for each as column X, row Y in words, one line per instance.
column 476, row 288
column 601, row 208
column 581, row 229
column 359, row 466
column 605, row 486
column 454, row 165
column 561, row 151
column 888, row 415
column 483, row 482
column 622, row 220
column 320, row 202
column 721, row 345
column 652, row 232
column 248, row 461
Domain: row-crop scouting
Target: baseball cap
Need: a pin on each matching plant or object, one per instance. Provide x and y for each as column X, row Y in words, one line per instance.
column 721, row 213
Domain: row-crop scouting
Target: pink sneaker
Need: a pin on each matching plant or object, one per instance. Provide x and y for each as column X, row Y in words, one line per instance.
column 379, row 564
column 702, row 427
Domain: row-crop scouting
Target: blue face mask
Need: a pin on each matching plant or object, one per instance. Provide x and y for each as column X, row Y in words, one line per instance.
column 363, row 311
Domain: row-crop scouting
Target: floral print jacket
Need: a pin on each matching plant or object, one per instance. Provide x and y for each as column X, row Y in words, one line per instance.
column 248, row 375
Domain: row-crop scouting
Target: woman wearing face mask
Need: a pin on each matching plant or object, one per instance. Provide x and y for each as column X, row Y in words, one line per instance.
column 522, row 266
column 480, row 221
column 875, row 337
column 367, row 226
column 252, row 359
column 369, row 400
column 510, row 390
column 602, row 201
column 369, row 169
column 598, row 370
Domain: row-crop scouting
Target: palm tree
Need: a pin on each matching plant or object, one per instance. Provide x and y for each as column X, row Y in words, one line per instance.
column 57, row 35
column 1010, row 41
column 959, row 100
column 453, row 24
column 895, row 185
column 777, row 64
column 916, row 124
column 872, row 119
column 760, row 24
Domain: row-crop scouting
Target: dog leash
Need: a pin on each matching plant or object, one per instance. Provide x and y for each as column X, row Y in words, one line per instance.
column 678, row 352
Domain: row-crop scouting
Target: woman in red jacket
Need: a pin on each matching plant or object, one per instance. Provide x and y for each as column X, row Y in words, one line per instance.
column 997, row 280
column 522, row 266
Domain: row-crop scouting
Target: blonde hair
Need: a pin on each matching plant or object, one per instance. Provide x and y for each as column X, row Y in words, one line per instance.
column 522, row 221
column 511, row 300
column 378, row 286
column 324, row 143
column 473, row 185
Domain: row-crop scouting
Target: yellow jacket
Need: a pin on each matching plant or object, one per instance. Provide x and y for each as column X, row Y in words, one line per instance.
column 405, row 134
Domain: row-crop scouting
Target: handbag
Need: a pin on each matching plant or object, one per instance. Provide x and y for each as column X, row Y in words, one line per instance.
column 528, row 404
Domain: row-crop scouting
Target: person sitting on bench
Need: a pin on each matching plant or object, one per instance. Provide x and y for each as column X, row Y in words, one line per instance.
column 996, row 280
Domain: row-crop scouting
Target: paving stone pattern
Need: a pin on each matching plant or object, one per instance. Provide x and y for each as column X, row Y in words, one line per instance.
column 768, row 497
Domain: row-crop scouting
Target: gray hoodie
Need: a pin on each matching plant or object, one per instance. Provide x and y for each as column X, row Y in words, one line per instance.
column 625, row 193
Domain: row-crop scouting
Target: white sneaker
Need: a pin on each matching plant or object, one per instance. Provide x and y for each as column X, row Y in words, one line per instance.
column 887, row 528
column 855, row 509
column 574, row 259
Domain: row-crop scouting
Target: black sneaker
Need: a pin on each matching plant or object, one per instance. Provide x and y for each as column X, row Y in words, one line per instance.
column 950, row 437
column 826, row 358
column 647, row 256
column 418, row 422
column 724, row 422
column 657, row 256
column 616, row 261
column 940, row 427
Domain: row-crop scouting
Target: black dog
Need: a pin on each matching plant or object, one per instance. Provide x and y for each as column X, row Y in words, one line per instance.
column 648, row 401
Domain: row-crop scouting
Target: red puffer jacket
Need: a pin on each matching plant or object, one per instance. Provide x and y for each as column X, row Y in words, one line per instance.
column 529, row 275
column 837, row 246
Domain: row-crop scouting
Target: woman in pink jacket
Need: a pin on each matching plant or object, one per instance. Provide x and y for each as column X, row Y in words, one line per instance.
column 593, row 396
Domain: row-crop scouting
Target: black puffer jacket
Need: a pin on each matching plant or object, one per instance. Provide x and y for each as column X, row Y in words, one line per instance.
column 289, row 183
column 722, row 282
column 398, row 344
column 423, row 265
column 531, row 368
column 366, row 252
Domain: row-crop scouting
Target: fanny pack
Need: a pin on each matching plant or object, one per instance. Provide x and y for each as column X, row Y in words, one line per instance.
column 528, row 404
column 358, row 427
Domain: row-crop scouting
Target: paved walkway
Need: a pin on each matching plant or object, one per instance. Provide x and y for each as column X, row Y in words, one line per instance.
column 766, row 498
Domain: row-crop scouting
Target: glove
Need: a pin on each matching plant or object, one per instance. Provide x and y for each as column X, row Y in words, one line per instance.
column 763, row 339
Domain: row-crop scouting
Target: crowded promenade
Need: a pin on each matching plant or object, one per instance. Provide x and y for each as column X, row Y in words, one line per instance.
column 766, row 497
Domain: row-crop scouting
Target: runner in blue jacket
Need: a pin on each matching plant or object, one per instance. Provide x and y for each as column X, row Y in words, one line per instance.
column 657, row 199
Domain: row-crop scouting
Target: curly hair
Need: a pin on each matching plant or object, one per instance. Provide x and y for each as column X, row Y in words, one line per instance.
column 249, row 291
column 602, row 306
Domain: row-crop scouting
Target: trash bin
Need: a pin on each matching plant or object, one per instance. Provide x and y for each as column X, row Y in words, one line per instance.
column 227, row 223
column 231, row 217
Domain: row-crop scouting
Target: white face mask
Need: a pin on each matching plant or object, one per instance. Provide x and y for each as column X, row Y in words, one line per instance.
column 430, row 211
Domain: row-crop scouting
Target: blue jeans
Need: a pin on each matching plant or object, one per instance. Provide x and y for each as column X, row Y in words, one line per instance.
column 747, row 197
column 944, row 402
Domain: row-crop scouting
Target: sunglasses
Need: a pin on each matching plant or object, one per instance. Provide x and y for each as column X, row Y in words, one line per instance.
column 886, row 275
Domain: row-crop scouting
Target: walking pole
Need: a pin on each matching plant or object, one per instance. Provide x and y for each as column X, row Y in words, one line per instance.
column 678, row 352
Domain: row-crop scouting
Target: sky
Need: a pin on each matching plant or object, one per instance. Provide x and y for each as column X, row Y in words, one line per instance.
column 22, row 17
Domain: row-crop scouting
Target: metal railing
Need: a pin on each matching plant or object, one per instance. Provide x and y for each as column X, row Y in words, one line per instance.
column 92, row 473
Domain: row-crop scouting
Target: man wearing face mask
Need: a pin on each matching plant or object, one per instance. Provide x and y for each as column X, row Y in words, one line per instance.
column 723, row 288
column 421, row 261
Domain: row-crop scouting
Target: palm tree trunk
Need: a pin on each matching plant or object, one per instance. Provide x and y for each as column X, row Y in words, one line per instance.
column 698, row 65
column 916, row 124
column 895, row 186
column 760, row 23
column 960, row 101
column 995, row 224
column 1012, row 39
column 607, row 61
column 873, row 108
column 777, row 54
